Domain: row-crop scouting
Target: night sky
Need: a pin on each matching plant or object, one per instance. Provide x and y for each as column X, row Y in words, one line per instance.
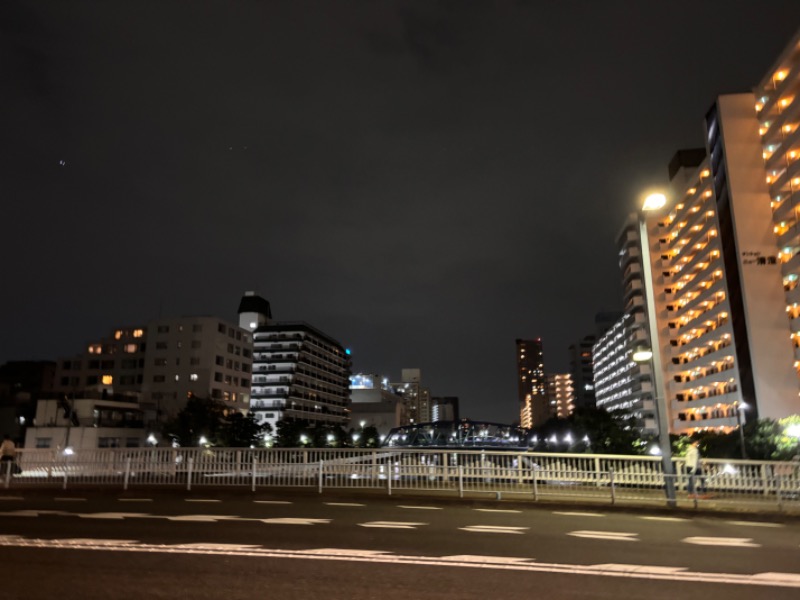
column 424, row 181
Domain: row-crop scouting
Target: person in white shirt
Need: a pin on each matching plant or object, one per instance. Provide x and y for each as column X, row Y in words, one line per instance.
column 694, row 468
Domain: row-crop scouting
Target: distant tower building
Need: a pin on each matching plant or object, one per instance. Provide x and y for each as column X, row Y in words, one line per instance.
column 560, row 395
column 416, row 399
column 580, row 367
column 445, row 408
column 299, row 372
column 531, row 383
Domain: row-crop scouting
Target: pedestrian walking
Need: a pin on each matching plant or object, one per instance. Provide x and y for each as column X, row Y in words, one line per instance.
column 8, row 452
column 694, row 468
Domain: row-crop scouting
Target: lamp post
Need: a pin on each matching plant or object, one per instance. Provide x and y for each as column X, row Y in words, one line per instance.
column 740, row 408
column 653, row 354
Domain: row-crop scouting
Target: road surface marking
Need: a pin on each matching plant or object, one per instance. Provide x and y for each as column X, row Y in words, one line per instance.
column 755, row 524
column 722, row 541
column 108, row 515
column 95, row 542
column 486, row 560
column 346, row 552
column 784, row 580
column 271, row 501
column 135, row 499
column 201, row 500
column 295, row 521
column 20, row 513
column 11, row 498
column 497, row 510
column 420, row 507
column 199, row 518
column 578, row 514
column 211, row 546
column 343, row 504
column 391, row 524
column 617, row 536
column 494, row 529
column 623, row 568
column 57, row 499
column 671, row 519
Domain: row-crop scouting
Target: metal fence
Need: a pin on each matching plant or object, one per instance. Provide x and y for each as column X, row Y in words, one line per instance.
column 746, row 484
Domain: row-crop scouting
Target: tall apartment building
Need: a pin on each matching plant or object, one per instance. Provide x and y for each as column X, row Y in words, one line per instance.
column 416, row 398
column 777, row 106
column 160, row 364
column 622, row 385
column 534, row 408
column 581, row 371
column 720, row 311
column 299, row 372
column 445, row 408
column 560, row 394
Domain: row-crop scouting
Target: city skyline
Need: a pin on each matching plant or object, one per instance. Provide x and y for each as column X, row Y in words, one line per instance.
column 425, row 182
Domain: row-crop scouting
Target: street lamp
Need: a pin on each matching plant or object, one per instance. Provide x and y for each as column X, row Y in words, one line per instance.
column 740, row 408
column 652, row 202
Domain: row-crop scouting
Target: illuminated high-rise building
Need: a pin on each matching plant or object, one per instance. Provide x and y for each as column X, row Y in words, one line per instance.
column 560, row 395
column 534, row 408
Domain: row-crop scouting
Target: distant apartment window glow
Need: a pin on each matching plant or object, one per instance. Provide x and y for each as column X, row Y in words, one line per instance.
column 108, row 379
column 193, row 376
column 137, row 333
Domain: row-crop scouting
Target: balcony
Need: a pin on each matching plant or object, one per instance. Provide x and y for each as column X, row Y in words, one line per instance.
column 681, row 427
column 792, row 266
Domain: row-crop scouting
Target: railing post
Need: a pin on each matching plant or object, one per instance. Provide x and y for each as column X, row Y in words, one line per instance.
column 64, row 486
column 8, row 473
column 189, row 469
column 535, row 483
column 255, row 465
column 127, row 474
column 597, row 470
column 389, row 475
column 764, row 479
column 460, row 481
column 612, row 486
column 321, row 467
column 779, row 492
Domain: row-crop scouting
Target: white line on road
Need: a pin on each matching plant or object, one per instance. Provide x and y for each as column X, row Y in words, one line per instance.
column 11, row 498
column 497, row 510
column 670, row 519
column 200, row 518
column 294, row 521
column 201, row 500
column 20, row 513
column 617, row 536
column 578, row 514
column 786, row 580
column 391, row 525
column 755, row 524
column 108, row 515
column 420, row 507
column 494, row 529
column 486, row 560
column 135, row 499
column 271, row 501
column 57, row 499
column 722, row 541
column 343, row 504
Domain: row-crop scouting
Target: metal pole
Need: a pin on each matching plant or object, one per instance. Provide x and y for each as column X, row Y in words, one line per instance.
column 127, row 473
column 741, row 430
column 460, row 481
column 8, row 473
column 662, row 410
column 189, row 468
column 255, row 464
column 321, row 466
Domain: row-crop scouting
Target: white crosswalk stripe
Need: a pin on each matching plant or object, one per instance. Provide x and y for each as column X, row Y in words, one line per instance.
column 722, row 541
column 617, row 536
column 494, row 529
column 295, row 521
column 391, row 525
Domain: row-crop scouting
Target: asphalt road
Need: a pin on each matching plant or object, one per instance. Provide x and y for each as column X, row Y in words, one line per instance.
column 97, row 545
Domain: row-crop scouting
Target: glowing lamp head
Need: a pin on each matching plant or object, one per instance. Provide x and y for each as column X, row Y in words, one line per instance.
column 641, row 355
column 654, row 202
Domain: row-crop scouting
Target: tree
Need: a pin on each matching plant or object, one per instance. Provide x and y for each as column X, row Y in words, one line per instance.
column 242, row 431
column 201, row 417
column 608, row 433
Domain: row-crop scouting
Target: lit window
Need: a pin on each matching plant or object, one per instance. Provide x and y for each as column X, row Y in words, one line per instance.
column 193, row 376
column 137, row 333
column 108, row 379
column 130, row 348
column 117, row 334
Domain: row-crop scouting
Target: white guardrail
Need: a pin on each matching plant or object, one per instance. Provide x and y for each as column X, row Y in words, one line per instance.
column 763, row 485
